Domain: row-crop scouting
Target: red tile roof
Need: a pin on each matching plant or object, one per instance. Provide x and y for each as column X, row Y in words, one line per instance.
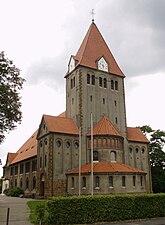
column 106, row 167
column 93, row 48
column 10, row 157
column 60, row 125
column 105, row 127
column 63, row 114
column 28, row 149
column 135, row 134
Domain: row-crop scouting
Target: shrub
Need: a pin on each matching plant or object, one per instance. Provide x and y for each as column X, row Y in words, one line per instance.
column 14, row 192
column 93, row 209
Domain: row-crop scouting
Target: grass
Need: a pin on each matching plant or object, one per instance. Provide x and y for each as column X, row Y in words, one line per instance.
column 32, row 205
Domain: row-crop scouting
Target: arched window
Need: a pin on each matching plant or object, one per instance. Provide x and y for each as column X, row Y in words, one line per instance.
column 113, row 156
column 123, row 181
column 72, row 182
column 68, row 144
column 95, row 156
column 83, row 182
column 112, row 84
column 137, row 150
column 100, row 81
column 88, row 78
column 58, row 143
column 130, row 150
column 34, row 182
column 74, row 82
column 143, row 150
column 97, row 182
column 116, row 85
column 110, row 181
column 93, row 80
column 105, row 83
column 134, row 181
column 21, row 184
column 76, row 145
column 141, row 181
column 27, row 183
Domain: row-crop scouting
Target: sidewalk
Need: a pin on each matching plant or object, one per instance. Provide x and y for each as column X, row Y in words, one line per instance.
column 19, row 211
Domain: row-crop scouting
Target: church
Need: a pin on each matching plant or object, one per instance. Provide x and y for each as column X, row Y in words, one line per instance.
column 88, row 149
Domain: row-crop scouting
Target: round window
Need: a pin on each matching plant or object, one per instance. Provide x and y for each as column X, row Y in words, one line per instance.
column 58, row 143
column 76, row 145
column 68, row 144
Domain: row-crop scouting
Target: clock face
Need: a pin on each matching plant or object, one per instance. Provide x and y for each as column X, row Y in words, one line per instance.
column 102, row 64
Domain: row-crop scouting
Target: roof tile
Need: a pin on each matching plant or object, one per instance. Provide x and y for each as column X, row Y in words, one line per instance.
column 60, row 125
column 93, row 48
column 106, row 167
column 105, row 127
column 135, row 134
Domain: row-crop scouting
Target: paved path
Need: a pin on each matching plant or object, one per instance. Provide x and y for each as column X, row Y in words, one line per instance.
column 19, row 211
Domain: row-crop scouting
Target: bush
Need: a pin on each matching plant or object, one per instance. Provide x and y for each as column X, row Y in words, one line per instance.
column 93, row 209
column 14, row 192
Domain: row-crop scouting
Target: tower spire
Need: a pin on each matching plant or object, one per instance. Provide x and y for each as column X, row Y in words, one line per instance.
column 92, row 14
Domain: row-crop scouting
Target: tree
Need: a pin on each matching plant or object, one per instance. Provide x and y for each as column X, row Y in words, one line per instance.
column 10, row 85
column 157, row 157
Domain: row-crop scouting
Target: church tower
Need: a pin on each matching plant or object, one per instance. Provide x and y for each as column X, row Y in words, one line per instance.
column 95, row 84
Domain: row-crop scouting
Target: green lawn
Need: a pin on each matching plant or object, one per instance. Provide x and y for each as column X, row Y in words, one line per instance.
column 32, row 205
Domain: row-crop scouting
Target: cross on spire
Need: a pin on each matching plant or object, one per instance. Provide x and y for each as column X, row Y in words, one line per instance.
column 92, row 14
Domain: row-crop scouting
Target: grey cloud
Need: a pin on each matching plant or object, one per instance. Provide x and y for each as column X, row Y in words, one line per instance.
column 48, row 70
column 134, row 31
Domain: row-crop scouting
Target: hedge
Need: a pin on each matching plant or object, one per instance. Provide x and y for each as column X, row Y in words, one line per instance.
column 106, row 208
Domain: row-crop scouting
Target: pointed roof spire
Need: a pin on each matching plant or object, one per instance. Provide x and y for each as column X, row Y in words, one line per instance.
column 105, row 127
column 92, row 13
column 93, row 48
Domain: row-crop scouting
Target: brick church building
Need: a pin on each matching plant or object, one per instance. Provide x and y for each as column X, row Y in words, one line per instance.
column 57, row 158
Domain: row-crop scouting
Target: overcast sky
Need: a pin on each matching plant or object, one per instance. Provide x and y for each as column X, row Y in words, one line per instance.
column 41, row 35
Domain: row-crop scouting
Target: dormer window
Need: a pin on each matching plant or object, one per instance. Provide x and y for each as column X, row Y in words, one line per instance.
column 102, row 64
column 71, row 65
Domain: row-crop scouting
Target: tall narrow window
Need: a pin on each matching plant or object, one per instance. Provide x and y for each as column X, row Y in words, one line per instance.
column 34, row 182
column 112, row 84
column 116, row 85
column 134, row 181
column 21, row 184
column 88, row 79
column 91, row 98
column 103, row 100
column 72, row 182
column 110, row 181
column 97, row 180
column 45, row 160
column 74, row 82
column 21, row 168
column 105, row 83
column 95, row 156
column 123, row 181
column 113, row 156
column 40, row 162
column 93, row 80
column 100, row 81
column 141, row 181
column 116, row 120
column 71, row 83
column 83, row 182
column 27, row 183
column 115, row 103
